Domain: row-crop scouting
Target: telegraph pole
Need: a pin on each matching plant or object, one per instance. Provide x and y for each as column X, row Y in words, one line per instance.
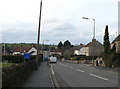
column 4, row 46
column 38, row 39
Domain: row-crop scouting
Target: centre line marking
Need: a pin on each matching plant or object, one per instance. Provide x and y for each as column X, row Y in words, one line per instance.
column 80, row 70
column 52, row 70
column 98, row 77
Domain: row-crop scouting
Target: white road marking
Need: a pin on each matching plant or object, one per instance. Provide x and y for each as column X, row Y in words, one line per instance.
column 80, row 70
column 52, row 70
column 98, row 77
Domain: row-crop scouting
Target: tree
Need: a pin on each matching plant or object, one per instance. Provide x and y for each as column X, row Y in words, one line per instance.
column 67, row 44
column 106, row 41
column 60, row 45
column 106, row 45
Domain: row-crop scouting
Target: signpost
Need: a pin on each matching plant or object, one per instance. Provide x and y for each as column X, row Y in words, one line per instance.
column 26, row 56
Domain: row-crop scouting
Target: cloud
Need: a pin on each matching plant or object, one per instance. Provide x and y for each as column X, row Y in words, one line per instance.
column 61, row 20
column 19, row 32
column 65, row 27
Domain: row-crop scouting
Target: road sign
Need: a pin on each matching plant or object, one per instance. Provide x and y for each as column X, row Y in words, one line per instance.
column 26, row 56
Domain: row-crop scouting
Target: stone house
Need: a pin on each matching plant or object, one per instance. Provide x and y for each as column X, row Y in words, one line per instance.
column 117, row 43
column 93, row 48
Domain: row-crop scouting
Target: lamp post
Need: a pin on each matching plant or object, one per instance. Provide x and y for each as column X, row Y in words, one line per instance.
column 93, row 25
column 93, row 34
column 38, row 38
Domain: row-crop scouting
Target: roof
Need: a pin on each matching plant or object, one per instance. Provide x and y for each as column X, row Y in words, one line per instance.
column 117, row 38
column 92, row 43
column 76, row 48
column 56, row 50
column 22, row 49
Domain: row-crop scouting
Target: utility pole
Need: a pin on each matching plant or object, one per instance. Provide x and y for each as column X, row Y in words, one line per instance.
column 38, row 34
column 4, row 46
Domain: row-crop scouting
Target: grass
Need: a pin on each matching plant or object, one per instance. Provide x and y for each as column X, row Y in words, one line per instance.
column 4, row 65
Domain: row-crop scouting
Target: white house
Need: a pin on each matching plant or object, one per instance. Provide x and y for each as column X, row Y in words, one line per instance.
column 76, row 52
column 84, row 51
column 21, row 50
column 32, row 51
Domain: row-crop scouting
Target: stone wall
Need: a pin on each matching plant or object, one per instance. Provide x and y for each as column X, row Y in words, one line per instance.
column 14, row 76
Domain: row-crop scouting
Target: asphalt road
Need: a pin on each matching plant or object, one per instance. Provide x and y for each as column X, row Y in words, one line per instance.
column 83, row 75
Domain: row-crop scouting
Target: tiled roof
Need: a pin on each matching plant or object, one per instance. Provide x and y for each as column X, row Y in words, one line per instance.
column 21, row 49
column 92, row 43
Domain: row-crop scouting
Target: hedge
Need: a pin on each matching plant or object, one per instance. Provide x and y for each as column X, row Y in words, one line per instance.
column 76, row 57
column 18, row 58
column 15, row 76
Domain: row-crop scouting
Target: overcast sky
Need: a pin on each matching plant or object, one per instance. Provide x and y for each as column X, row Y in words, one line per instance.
column 61, row 20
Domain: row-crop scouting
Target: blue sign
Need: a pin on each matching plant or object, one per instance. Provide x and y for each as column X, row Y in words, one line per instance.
column 26, row 56
column 46, row 58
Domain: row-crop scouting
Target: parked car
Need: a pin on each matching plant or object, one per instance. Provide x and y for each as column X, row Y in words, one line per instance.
column 53, row 59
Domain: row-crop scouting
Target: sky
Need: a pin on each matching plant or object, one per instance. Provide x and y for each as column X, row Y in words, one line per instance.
column 61, row 20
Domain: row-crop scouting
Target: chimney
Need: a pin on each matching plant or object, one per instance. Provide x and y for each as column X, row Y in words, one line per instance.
column 93, row 40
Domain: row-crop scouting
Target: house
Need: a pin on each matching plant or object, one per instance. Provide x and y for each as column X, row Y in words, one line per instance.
column 93, row 48
column 84, row 51
column 76, row 50
column 117, row 43
column 56, row 51
column 24, row 49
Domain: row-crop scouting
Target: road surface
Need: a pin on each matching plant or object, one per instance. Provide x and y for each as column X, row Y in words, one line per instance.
column 64, row 74
column 84, row 75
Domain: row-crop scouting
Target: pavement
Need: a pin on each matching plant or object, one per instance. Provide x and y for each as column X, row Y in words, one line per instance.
column 40, row 78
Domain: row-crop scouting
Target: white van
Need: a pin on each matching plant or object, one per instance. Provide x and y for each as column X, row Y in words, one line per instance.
column 53, row 59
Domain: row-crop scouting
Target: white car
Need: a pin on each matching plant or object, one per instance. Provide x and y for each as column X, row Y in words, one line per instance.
column 53, row 59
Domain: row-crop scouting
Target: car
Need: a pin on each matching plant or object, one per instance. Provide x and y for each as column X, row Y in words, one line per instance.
column 53, row 59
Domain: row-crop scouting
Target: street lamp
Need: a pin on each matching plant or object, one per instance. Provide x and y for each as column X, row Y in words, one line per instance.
column 38, row 38
column 93, row 34
column 93, row 25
